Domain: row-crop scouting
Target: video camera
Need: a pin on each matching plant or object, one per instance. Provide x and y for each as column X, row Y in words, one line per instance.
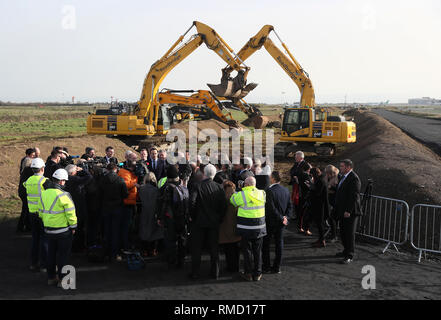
column 87, row 165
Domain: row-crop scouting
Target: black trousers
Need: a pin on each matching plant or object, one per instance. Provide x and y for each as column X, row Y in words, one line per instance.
column 209, row 237
column 232, row 256
column 275, row 232
column 252, row 254
column 24, row 222
column 59, row 248
column 94, row 223
column 175, row 244
column 348, row 226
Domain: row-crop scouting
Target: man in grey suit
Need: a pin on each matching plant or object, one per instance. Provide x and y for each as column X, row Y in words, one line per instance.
column 348, row 208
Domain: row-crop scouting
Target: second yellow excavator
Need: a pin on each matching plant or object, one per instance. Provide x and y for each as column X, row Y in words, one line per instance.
column 306, row 127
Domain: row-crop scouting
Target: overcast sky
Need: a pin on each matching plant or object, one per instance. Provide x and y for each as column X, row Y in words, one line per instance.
column 365, row 50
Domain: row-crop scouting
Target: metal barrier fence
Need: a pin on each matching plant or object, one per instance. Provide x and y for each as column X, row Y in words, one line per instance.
column 425, row 229
column 385, row 219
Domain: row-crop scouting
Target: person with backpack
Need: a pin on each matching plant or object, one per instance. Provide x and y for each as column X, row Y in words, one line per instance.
column 172, row 214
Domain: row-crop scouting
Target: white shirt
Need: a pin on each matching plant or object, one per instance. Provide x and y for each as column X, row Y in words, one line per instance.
column 273, row 185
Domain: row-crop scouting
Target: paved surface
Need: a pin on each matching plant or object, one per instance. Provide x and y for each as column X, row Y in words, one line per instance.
column 308, row 273
column 427, row 131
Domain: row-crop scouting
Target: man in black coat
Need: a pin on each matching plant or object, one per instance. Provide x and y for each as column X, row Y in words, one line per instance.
column 112, row 192
column 348, row 208
column 76, row 186
column 52, row 164
column 278, row 209
column 208, row 207
column 109, row 157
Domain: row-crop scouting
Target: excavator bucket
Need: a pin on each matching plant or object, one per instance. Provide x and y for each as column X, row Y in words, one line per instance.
column 223, row 89
column 232, row 88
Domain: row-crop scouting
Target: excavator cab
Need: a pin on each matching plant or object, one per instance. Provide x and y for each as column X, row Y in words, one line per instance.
column 296, row 119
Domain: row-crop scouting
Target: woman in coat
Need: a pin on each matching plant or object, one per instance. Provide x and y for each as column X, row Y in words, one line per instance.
column 149, row 230
column 131, row 181
column 304, row 182
column 228, row 239
column 318, row 206
column 332, row 183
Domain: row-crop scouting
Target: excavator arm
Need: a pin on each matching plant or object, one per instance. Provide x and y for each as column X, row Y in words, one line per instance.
column 148, row 105
column 287, row 61
column 201, row 102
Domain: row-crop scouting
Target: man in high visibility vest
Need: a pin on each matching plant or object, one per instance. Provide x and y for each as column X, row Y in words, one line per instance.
column 34, row 188
column 57, row 211
column 251, row 226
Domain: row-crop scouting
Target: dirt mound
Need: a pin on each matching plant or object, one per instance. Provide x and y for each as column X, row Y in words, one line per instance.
column 401, row 167
column 10, row 156
column 203, row 124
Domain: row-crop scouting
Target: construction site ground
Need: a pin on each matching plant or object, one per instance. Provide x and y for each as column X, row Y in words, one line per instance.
column 400, row 166
column 307, row 273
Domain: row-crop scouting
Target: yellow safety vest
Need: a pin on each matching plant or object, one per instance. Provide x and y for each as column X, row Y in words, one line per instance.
column 34, row 187
column 161, row 182
column 251, row 212
column 57, row 211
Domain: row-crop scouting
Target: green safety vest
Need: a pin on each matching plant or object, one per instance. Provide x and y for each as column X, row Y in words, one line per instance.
column 57, row 211
column 34, row 188
column 161, row 182
column 251, row 212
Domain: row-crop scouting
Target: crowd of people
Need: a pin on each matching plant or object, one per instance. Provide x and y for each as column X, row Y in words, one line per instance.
column 107, row 209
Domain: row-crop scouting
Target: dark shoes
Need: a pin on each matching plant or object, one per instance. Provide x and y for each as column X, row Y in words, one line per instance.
column 257, row 278
column 271, row 270
column 346, row 260
column 193, row 276
column 319, row 244
column 246, row 276
column 276, row 271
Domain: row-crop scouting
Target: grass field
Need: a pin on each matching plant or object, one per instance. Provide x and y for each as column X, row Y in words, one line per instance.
column 24, row 123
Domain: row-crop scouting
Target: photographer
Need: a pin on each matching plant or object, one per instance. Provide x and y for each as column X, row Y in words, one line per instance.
column 78, row 179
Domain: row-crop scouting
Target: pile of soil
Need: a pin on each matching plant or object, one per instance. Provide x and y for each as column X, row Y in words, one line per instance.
column 401, row 167
column 10, row 156
column 203, row 124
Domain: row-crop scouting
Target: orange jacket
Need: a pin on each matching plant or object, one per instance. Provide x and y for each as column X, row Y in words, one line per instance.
column 131, row 180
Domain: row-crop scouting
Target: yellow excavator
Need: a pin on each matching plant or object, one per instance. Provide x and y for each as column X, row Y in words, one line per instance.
column 151, row 114
column 307, row 127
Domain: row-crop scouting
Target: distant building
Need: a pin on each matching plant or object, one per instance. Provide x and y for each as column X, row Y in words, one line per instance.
column 424, row 101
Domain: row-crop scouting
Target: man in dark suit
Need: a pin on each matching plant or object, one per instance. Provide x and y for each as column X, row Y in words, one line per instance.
column 110, row 156
column 348, row 208
column 207, row 209
column 156, row 165
column 278, row 209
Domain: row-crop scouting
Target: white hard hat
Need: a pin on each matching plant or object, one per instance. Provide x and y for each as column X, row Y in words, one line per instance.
column 37, row 163
column 60, row 174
